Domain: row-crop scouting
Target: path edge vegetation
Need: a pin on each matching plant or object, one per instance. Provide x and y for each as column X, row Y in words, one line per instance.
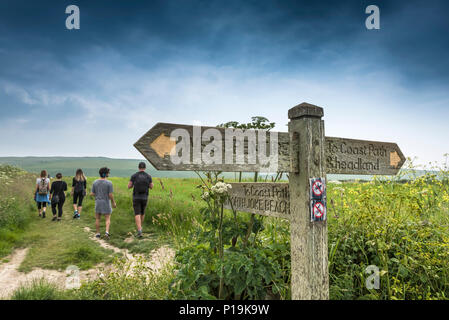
column 400, row 227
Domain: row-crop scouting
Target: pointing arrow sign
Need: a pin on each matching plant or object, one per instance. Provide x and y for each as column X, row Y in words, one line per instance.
column 187, row 148
column 349, row 156
column 221, row 149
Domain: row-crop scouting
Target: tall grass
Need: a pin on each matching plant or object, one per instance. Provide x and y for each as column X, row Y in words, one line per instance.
column 401, row 228
column 39, row 289
column 172, row 211
column 15, row 206
column 128, row 280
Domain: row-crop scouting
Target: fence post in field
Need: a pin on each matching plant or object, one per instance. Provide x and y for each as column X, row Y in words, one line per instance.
column 309, row 256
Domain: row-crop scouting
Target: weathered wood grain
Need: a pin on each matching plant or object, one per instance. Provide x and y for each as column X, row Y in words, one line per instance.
column 350, row 156
column 144, row 145
column 309, row 256
column 342, row 156
column 268, row 199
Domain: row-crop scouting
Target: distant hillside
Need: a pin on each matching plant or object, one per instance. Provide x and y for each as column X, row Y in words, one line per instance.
column 126, row 167
column 90, row 165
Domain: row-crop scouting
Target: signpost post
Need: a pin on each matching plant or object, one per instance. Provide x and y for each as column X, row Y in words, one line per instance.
column 310, row 279
column 304, row 152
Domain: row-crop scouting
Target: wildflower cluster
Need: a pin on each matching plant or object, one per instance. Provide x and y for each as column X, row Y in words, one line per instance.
column 221, row 188
column 205, row 196
column 219, row 191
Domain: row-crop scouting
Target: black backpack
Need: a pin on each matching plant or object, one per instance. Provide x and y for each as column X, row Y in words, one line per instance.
column 79, row 186
column 141, row 185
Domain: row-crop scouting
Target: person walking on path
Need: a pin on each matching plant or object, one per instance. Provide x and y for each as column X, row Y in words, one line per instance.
column 102, row 190
column 42, row 192
column 79, row 186
column 141, row 182
column 57, row 196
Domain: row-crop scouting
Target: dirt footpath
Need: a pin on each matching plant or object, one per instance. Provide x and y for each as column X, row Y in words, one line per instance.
column 11, row 278
column 159, row 257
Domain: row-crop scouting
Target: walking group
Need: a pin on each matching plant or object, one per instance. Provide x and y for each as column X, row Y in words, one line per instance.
column 102, row 189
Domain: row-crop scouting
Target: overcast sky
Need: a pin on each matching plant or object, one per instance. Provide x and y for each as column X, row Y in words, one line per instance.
column 95, row 91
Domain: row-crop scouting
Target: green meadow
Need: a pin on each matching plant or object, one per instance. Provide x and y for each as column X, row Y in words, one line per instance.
column 401, row 228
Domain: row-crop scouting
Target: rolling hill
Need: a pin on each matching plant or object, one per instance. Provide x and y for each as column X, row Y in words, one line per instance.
column 90, row 165
column 126, row 167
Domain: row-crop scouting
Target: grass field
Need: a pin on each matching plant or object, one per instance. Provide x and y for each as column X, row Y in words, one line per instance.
column 55, row 245
column 14, row 211
column 401, row 228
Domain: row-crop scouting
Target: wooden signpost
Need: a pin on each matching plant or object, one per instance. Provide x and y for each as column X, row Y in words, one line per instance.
column 343, row 156
column 304, row 152
column 349, row 156
column 191, row 145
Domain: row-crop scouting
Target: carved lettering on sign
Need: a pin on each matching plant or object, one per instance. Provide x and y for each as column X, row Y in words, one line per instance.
column 349, row 156
column 269, row 199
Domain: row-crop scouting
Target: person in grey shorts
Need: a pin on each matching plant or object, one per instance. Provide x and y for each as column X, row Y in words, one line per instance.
column 102, row 191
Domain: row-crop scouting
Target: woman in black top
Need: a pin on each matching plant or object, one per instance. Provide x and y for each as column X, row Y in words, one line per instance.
column 79, row 186
column 57, row 196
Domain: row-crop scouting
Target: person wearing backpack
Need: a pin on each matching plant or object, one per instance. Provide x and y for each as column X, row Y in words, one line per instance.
column 141, row 182
column 41, row 195
column 79, row 186
column 57, row 196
